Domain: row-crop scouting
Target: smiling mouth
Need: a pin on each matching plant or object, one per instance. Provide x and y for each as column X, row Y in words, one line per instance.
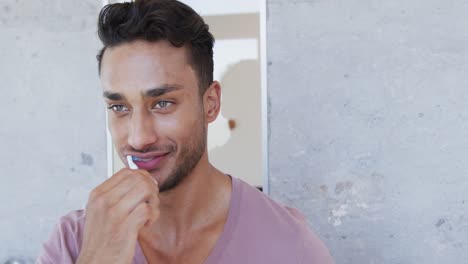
column 148, row 164
column 137, row 159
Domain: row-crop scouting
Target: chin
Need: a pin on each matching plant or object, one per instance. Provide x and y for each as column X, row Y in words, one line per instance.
column 163, row 180
column 158, row 176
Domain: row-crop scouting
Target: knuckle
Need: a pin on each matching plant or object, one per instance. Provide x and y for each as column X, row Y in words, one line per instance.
column 93, row 194
column 145, row 210
column 144, row 187
column 99, row 202
column 137, row 178
column 148, row 189
column 117, row 213
column 141, row 211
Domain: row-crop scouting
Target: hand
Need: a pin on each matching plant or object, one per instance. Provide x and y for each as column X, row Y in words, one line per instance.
column 116, row 211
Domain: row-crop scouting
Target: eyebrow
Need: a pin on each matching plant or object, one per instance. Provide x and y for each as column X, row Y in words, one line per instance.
column 113, row 96
column 164, row 89
column 153, row 92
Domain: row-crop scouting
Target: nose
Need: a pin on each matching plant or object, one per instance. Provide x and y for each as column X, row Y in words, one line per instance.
column 142, row 132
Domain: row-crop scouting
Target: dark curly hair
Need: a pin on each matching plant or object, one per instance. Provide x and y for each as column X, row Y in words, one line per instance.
column 155, row 20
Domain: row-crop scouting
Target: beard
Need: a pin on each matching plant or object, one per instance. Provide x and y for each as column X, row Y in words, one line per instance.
column 191, row 152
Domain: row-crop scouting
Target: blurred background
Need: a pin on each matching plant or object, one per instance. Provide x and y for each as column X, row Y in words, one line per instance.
column 354, row 112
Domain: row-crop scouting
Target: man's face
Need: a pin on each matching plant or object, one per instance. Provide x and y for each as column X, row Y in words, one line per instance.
column 156, row 112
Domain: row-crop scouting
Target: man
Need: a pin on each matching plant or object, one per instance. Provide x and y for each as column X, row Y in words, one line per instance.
column 156, row 71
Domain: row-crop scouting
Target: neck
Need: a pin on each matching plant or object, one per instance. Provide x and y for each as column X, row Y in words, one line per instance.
column 201, row 200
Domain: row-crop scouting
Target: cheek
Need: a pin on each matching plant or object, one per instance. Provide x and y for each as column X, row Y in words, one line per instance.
column 179, row 126
column 118, row 130
column 173, row 127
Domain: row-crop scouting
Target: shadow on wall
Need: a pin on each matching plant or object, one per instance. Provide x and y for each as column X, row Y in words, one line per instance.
column 241, row 104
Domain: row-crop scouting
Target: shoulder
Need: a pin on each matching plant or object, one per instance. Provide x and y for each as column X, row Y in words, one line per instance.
column 283, row 227
column 259, row 207
column 311, row 248
column 64, row 242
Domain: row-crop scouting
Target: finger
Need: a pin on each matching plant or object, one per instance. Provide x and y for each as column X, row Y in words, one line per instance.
column 140, row 193
column 134, row 177
column 112, row 181
column 153, row 203
column 111, row 191
column 113, row 196
column 139, row 217
column 118, row 189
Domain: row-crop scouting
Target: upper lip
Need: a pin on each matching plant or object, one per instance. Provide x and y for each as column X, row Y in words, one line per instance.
column 146, row 155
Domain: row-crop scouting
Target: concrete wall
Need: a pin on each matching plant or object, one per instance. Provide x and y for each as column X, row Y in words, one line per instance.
column 52, row 131
column 368, row 125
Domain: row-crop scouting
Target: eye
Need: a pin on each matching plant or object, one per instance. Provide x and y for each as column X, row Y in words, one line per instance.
column 162, row 104
column 118, row 108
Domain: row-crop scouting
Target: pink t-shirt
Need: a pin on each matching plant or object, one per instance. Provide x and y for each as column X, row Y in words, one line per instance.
column 258, row 231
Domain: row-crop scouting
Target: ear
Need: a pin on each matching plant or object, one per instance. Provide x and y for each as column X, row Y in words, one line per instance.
column 212, row 101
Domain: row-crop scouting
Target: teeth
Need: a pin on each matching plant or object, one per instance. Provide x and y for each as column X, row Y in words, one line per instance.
column 140, row 159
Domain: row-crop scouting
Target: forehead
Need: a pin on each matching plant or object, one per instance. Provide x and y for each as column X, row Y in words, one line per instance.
column 140, row 65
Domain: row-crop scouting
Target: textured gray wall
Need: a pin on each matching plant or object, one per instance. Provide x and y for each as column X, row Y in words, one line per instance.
column 52, row 132
column 368, row 125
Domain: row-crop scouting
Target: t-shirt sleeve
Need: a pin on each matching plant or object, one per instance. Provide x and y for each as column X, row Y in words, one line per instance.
column 61, row 246
column 312, row 250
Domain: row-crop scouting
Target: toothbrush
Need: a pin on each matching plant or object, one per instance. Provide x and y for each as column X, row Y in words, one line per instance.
column 131, row 164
